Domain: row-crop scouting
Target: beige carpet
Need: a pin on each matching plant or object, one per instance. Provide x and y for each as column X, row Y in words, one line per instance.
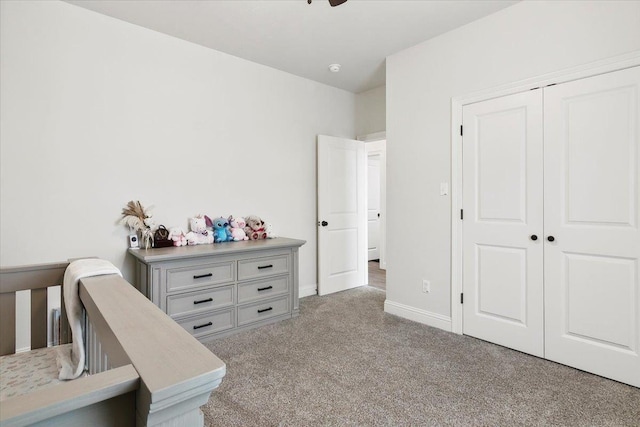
column 344, row 362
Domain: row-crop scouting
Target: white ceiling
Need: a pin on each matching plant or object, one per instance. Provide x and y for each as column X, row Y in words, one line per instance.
column 303, row 39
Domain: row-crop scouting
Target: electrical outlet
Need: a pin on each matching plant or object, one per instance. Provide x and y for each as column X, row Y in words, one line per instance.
column 426, row 286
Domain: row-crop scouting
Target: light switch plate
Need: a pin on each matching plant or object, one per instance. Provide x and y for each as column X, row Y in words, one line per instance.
column 444, row 188
column 426, row 286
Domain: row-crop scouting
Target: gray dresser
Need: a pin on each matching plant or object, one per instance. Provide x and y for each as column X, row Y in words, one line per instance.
column 214, row 290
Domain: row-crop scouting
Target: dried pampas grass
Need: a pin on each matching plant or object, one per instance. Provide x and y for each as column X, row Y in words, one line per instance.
column 137, row 218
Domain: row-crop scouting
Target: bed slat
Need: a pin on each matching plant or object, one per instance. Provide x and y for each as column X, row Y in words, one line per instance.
column 39, row 318
column 7, row 323
column 65, row 330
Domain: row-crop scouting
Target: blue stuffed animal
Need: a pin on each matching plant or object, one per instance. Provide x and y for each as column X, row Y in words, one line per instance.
column 221, row 231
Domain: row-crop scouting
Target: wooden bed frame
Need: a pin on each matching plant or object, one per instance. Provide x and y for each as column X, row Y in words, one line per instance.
column 145, row 369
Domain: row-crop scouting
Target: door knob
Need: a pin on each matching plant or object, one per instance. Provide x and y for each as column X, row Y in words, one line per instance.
column 324, row 223
column 534, row 237
column 378, row 214
column 551, row 238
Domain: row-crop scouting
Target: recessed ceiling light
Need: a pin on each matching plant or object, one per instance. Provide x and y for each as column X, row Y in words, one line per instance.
column 334, row 68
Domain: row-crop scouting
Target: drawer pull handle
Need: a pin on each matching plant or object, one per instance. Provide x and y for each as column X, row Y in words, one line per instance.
column 264, row 289
column 261, row 267
column 265, row 309
column 203, row 326
column 203, row 275
column 203, row 300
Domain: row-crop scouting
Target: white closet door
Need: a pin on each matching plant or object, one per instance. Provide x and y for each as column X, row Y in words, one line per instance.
column 502, row 200
column 592, row 291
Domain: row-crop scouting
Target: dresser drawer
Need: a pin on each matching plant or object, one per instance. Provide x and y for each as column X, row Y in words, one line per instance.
column 263, row 267
column 253, row 291
column 200, row 275
column 263, row 310
column 196, row 302
column 204, row 324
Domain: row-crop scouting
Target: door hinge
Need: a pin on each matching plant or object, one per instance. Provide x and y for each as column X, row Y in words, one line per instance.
column 460, row 130
column 461, row 214
column 461, row 298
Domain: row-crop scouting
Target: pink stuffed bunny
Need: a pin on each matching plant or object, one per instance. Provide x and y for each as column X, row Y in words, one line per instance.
column 177, row 235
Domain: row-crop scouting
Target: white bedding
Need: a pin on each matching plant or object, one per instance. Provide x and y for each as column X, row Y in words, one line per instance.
column 22, row 373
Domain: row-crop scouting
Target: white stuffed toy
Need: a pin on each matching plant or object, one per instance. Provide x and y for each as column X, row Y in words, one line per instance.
column 177, row 235
column 199, row 235
column 268, row 227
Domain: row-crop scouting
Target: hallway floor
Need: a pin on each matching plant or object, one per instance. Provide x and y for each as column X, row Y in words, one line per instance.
column 377, row 277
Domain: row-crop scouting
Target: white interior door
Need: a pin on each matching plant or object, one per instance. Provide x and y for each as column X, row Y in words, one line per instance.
column 373, row 206
column 502, row 201
column 592, row 291
column 342, row 220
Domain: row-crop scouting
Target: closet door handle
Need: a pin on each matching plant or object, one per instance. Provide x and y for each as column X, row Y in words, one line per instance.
column 551, row 238
column 534, row 237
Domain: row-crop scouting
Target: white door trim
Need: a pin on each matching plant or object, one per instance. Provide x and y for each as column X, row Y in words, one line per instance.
column 599, row 67
column 375, row 137
column 370, row 137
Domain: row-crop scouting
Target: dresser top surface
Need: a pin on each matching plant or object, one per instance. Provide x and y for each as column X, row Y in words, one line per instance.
column 226, row 248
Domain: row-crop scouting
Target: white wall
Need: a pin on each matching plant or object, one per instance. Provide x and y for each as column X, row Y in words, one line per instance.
column 371, row 111
column 526, row 40
column 96, row 112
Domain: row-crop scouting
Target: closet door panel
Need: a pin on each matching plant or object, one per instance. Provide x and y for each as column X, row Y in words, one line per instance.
column 502, row 200
column 591, row 174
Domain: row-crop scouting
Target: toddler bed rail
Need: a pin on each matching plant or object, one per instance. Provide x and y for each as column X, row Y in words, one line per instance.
column 148, row 370
column 36, row 278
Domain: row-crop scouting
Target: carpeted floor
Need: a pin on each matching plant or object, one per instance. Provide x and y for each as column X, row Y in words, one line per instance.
column 343, row 361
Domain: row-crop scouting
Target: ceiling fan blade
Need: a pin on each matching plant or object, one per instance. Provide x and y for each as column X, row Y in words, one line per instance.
column 335, row 3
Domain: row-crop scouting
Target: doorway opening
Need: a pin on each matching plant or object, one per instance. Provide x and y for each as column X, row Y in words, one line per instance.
column 343, row 214
column 377, row 276
column 376, row 201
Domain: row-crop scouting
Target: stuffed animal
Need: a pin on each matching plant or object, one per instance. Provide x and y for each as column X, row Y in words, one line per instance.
column 268, row 228
column 237, row 228
column 209, row 224
column 176, row 234
column 221, row 231
column 198, row 234
column 255, row 228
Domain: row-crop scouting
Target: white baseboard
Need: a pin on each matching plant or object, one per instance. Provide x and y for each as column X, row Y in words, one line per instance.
column 417, row 315
column 308, row 290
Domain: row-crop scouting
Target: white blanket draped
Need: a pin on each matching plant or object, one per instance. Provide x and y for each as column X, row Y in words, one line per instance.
column 72, row 364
